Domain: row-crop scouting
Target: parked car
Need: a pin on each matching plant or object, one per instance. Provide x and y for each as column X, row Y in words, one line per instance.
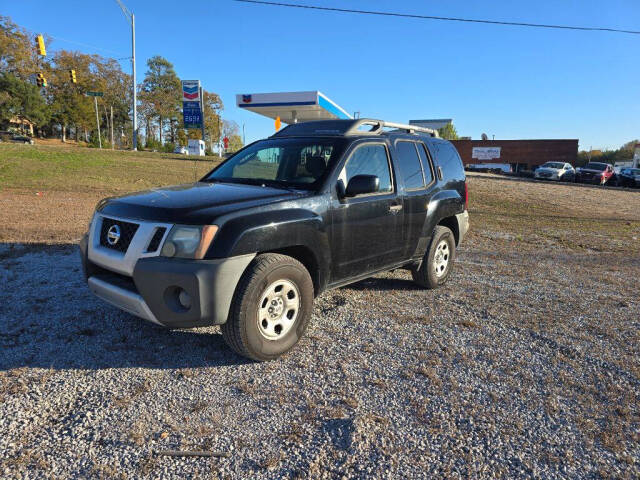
column 595, row 172
column 628, row 177
column 560, row 171
column 6, row 136
column 316, row 206
column 181, row 150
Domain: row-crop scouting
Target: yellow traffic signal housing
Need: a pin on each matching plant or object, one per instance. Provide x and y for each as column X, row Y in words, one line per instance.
column 278, row 123
column 40, row 46
column 72, row 76
column 40, row 80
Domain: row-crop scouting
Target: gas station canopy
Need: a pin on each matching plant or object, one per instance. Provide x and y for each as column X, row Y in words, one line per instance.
column 292, row 107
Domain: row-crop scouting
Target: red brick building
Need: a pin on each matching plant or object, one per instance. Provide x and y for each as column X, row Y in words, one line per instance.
column 520, row 154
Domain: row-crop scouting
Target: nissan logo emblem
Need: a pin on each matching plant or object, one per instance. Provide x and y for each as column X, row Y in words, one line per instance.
column 113, row 234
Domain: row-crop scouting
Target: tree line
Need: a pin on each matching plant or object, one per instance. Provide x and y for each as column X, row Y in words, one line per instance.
column 62, row 109
column 622, row 154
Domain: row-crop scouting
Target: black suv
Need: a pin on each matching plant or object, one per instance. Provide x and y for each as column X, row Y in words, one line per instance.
column 316, row 206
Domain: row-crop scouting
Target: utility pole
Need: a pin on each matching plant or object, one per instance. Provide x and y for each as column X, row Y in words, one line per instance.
column 132, row 20
column 95, row 100
column 202, row 117
column 220, row 137
column 112, row 147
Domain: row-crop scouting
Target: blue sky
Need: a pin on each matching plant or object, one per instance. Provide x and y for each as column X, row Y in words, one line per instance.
column 506, row 81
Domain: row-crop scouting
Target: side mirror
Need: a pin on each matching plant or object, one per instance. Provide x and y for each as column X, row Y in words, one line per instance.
column 361, row 184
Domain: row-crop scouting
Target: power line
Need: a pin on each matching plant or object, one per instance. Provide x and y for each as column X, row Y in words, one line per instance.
column 84, row 45
column 448, row 19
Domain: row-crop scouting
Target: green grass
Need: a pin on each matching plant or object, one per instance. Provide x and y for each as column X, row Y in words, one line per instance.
column 80, row 169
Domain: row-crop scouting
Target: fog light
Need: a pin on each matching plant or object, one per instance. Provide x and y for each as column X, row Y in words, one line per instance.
column 184, row 299
column 169, row 249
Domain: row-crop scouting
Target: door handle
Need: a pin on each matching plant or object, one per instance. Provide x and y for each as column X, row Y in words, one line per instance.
column 395, row 208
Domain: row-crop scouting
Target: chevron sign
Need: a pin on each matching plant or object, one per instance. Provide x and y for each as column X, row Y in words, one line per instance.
column 191, row 90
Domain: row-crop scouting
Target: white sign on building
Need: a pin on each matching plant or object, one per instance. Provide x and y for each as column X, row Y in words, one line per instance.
column 485, row 153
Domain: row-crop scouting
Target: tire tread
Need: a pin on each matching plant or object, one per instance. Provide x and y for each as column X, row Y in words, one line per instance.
column 232, row 330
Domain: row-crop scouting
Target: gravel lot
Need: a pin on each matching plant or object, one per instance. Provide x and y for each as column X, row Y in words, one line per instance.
column 525, row 365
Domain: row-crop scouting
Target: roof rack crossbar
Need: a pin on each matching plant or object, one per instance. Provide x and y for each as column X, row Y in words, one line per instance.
column 411, row 128
column 377, row 127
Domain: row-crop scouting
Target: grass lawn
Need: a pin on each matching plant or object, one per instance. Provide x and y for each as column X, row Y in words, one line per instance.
column 77, row 169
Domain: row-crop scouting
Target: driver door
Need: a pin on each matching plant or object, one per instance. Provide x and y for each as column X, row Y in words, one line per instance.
column 366, row 229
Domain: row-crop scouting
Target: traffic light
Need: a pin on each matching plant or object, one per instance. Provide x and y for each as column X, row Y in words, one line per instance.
column 72, row 76
column 40, row 46
column 278, row 123
column 40, row 80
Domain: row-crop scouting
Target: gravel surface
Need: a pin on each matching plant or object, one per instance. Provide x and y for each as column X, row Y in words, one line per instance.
column 526, row 365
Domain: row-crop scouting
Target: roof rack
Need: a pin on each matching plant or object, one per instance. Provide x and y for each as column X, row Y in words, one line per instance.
column 349, row 127
column 379, row 125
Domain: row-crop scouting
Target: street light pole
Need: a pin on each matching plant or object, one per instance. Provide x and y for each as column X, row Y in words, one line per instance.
column 135, row 87
column 132, row 20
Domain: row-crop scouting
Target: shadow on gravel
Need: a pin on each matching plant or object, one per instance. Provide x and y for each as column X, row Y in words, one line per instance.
column 50, row 319
column 383, row 284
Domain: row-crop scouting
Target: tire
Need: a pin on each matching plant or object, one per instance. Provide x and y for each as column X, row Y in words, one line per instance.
column 270, row 277
column 442, row 244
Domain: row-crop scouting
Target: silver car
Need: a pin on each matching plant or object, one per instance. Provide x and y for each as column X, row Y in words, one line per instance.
column 555, row 171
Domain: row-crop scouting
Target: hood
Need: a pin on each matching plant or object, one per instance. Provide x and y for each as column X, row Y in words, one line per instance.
column 194, row 203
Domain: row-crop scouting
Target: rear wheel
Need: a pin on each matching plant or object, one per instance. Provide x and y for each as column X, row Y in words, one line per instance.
column 438, row 261
column 271, row 307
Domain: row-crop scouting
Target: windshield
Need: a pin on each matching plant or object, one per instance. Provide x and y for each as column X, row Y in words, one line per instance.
column 596, row 166
column 291, row 162
column 634, row 171
column 553, row 165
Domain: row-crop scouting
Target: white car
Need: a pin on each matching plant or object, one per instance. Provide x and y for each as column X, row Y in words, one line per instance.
column 555, row 171
column 181, row 150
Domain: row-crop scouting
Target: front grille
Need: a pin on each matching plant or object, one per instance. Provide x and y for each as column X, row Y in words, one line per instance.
column 127, row 231
column 155, row 241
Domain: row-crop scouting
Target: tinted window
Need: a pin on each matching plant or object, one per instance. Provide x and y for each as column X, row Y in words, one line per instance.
column 449, row 160
column 596, row 166
column 426, row 164
column 369, row 159
column 409, row 165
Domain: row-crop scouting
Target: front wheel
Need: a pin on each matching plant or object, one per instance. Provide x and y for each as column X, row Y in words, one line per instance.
column 438, row 261
column 271, row 307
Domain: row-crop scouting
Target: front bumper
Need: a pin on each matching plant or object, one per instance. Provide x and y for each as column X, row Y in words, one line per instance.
column 152, row 290
column 122, row 298
column 546, row 176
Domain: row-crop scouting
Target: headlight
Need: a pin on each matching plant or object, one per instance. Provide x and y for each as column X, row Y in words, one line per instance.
column 185, row 241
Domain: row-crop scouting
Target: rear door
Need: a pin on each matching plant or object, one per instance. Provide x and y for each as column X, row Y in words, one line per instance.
column 416, row 177
column 366, row 229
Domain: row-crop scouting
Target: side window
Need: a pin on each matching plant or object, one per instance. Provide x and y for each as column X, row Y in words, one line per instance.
column 369, row 159
column 426, row 164
column 448, row 158
column 409, row 165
